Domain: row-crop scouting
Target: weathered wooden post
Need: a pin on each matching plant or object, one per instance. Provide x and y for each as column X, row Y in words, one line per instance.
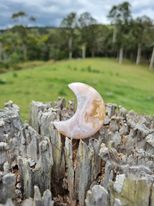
column 39, row 166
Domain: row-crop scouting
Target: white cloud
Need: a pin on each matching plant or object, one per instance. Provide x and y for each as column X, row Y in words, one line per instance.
column 51, row 12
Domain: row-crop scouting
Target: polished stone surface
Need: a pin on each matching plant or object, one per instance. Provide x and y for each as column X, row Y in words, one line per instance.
column 89, row 116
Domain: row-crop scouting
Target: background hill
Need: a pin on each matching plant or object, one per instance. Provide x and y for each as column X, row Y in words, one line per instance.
column 129, row 85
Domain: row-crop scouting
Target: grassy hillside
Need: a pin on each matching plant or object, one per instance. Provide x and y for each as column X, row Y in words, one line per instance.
column 127, row 84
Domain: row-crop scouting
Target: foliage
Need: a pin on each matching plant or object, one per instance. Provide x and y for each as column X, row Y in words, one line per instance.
column 78, row 36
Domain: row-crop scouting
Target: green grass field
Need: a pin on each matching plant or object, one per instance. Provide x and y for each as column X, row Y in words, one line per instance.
column 128, row 85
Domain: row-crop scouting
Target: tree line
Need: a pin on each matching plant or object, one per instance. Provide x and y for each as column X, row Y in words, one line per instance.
column 80, row 36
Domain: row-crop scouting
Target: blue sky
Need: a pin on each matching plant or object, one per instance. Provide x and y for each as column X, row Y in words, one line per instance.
column 51, row 12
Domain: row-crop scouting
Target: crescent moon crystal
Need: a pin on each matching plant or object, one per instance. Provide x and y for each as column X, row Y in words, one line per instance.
column 89, row 116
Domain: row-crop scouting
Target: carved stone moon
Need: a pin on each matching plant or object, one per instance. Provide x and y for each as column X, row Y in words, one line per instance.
column 89, row 116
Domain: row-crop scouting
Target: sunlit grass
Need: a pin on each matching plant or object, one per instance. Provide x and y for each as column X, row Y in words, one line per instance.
column 128, row 85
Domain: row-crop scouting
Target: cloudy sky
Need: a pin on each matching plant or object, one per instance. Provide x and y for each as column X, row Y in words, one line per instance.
column 51, row 12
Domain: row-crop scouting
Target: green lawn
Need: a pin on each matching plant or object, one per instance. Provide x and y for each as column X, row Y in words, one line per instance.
column 127, row 84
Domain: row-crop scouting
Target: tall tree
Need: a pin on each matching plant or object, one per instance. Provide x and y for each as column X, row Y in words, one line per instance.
column 88, row 30
column 141, row 31
column 69, row 24
column 120, row 16
column 21, row 29
column 151, row 65
column 32, row 18
column 152, row 59
column 19, row 16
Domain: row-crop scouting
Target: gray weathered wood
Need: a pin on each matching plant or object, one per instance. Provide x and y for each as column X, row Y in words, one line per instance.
column 39, row 166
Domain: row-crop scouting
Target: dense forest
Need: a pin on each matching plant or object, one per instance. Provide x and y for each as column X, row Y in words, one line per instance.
column 79, row 36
